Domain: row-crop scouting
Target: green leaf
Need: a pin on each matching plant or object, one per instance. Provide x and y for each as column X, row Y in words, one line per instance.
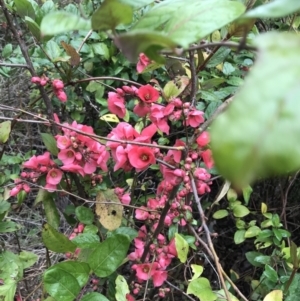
column 129, row 232
column 220, row 214
column 60, row 284
column 182, row 247
column 6, row 227
column 50, row 143
column 33, row 27
column 247, row 193
column 4, row 206
column 276, row 295
column 107, row 257
column 86, row 240
column 24, row 8
column 52, row 215
column 150, row 42
column 8, row 290
column 197, row 270
column 185, row 24
column 10, row 266
column 27, row 259
column 250, row 147
column 171, row 90
column 274, row 9
column 94, row 297
column 5, row 128
column 7, row 50
column 110, row 14
column 137, row 3
column 101, row 49
column 240, row 211
column 56, row 241
column 239, row 236
column 252, row 232
column 201, row 288
column 62, row 22
column 121, row 288
column 270, row 273
column 84, row 215
column 251, row 256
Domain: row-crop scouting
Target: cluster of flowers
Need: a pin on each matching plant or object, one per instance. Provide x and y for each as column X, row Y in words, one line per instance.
column 158, row 114
column 57, row 86
column 38, row 166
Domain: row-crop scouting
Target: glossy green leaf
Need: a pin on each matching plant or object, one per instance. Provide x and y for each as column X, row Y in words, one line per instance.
column 201, row 288
column 239, row 236
column 220, row 214
column 24, row 8
column 274, row 9
column 185, row 24
column 86, row 240
column 107, row 257
column 134, row 42
column 182, row 247
column 62, row 22
column 84, row 215
column 252, row 232
column 270, row 273
column 240, row 211
column 129, row 232
column 251, row 256
column 50, row 143
column 93, row 297
column 121, row 288
column 56, row 241
column 110, row 14
column 52, row 215
column 262, row 128
column 60, row 284
column 5, row 128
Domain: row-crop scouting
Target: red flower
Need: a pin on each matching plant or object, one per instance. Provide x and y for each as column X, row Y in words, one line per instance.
column 148, row 94
column 203, row 139
column 141, row 157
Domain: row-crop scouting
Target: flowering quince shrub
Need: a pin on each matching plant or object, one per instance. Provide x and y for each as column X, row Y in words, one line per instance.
column 130, row 147
column 77, row 150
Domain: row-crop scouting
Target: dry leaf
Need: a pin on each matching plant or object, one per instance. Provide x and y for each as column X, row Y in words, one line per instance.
column 71, row 51
column 109, row 209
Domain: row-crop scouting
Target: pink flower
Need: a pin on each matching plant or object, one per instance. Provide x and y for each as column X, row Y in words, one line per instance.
column 62, row 142
column 141, row 157
column 203, row 139
column 148, row 94
column 129, row 297
column 15, row 190
column 125, row 199
column 194, row 118
column 143, row 62
column 159, row 277
column 207, row 158
column 57, row 84
column 116, row 104
column 35, row 80
column 73, row 168
column 141, row 214
column 54, row 176
column 67, row 156
column 61, row 95
column 130, row 90
column 141, row 109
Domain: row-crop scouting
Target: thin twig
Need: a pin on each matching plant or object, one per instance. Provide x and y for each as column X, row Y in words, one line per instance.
column 14, row 65
column 180, row 290
column 194, row 78
column 207, row 232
